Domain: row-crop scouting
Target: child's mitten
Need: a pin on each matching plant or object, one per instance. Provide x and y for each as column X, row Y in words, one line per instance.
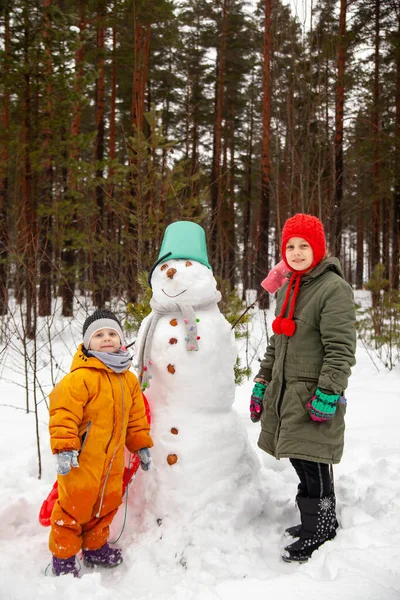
column 145, row 458
column 322, row 407
column 276, row 278
column 256, row 401
column 66, row 460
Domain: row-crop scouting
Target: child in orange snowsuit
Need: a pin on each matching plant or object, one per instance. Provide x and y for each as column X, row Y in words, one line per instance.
column 95, row 411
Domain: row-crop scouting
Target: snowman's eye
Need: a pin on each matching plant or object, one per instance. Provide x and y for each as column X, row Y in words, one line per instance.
column 188, row 263
column 165, row 266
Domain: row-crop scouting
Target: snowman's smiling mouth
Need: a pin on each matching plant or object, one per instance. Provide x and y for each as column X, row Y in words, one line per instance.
column 176, row 295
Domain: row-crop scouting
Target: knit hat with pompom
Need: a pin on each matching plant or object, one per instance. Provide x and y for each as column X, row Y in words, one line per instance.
column 101, row 319
column 310, row 229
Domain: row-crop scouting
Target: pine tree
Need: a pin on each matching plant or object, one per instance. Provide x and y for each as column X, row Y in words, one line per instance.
column 4, row 164
column 396, row 188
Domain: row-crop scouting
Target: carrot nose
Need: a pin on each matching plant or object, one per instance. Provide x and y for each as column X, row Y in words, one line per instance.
column 171, row 272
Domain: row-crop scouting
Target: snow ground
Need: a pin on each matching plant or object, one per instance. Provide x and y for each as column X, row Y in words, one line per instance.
column 225, row 560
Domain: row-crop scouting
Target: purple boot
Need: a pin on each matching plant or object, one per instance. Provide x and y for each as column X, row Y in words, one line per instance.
column 65, row 566
column 103, row 557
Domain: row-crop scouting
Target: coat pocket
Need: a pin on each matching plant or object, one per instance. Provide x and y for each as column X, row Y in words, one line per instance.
column 301, row 393
column 83, row 434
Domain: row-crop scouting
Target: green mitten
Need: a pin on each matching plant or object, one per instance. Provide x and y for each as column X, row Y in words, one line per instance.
column 256, row 401
column 322, row 407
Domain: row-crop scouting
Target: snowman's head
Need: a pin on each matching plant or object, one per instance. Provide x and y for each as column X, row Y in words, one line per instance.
column 183, row 281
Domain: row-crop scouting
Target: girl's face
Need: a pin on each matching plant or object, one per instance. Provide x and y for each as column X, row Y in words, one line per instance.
column 299, row 254
column 105, row 340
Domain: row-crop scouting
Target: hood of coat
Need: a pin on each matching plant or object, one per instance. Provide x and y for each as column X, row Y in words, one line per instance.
column 328, row 264
column 81, row 360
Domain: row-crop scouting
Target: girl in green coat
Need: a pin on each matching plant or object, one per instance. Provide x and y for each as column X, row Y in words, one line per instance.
column 299, row 389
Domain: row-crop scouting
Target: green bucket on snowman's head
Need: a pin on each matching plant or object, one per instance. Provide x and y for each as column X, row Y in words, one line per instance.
column 183, row 239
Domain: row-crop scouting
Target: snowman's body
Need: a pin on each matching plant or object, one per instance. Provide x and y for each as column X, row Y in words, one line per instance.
column 200, row 448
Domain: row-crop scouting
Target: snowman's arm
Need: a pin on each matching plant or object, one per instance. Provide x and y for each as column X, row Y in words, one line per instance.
column 138, row 430
column 267, row 363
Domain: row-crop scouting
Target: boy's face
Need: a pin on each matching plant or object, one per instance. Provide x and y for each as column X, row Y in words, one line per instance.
column 105, row 340
column 299, row 254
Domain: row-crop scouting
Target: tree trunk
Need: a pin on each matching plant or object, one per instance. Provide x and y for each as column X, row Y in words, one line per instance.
column 194, row 158
column 396, row 190
column 341, row 57
column 45, row 244
column 141, row 61
column 4, row 152
column 113, row 110
column 111, row 224
column 360, row 246
column 68, row 253
column 231, row 208
column 216, row 184
column 142, row 48
column 262, row 257
column 376, row 204
column 246, row 239
column 99, row 275
column 28, row 233
column 113, row 106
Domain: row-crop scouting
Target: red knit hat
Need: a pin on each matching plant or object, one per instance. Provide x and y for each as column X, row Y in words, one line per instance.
column 310, row 229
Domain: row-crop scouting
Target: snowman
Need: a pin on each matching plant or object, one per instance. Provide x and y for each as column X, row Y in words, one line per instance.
column 186, row 354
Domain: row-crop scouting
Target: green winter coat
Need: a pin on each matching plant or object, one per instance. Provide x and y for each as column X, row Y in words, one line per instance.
column 319, row 354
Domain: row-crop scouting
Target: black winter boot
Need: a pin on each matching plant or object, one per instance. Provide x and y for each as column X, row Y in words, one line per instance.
column 295, row 530
column 318, row 525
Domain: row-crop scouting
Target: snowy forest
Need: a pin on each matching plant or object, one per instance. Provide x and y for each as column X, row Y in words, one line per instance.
column 119, row 117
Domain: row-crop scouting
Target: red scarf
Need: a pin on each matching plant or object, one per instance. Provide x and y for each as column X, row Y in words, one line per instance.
column 282, row 324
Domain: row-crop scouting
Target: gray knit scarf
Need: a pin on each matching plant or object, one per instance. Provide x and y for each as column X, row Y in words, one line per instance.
column 117, row 361
column 190, row 325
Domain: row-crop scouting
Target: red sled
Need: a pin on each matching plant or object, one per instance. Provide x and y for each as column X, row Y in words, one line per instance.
column 129, row 471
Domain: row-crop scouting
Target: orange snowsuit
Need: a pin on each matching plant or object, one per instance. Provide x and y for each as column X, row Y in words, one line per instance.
column 97, row 412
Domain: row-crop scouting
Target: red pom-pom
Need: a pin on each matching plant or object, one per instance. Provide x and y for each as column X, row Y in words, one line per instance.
column 288, row 327
column 276, row 325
